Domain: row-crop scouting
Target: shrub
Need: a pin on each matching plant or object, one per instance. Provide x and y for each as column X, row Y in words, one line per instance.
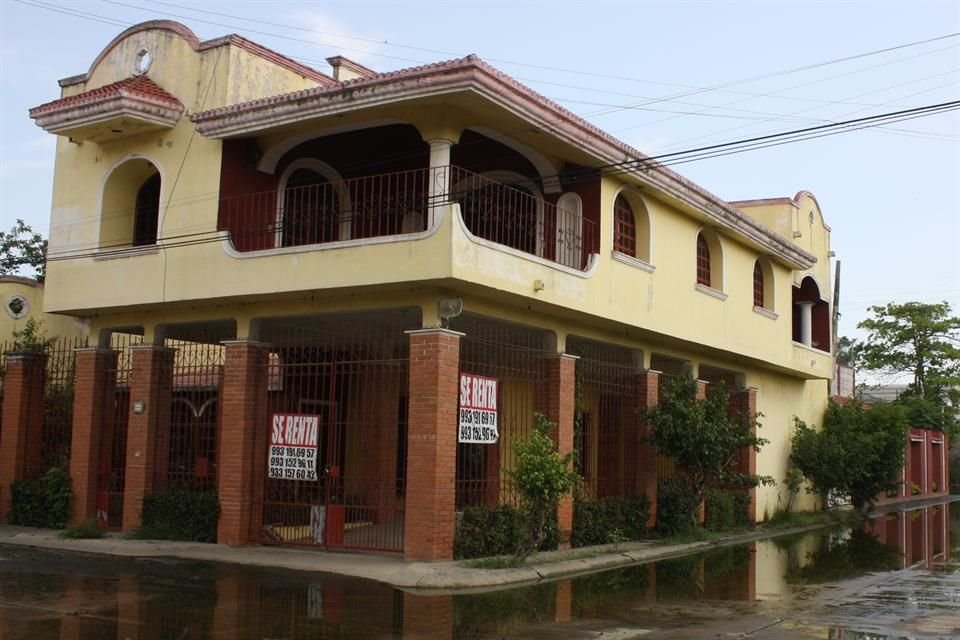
column 44, row 502
column 609, row 520
column 180, row 514
column 676, row 500
column 482, row 532
column 726, row 510
column 487, row 531
column 542, row 477
column 85, row 530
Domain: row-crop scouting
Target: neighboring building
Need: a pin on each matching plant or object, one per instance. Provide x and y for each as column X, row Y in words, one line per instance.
column 339, row 247
column 22, row 299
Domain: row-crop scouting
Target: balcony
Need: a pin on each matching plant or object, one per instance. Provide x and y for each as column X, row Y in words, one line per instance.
column 311, row 213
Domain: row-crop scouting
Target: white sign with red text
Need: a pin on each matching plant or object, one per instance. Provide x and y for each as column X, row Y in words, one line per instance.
column 478, row 409
column 293, row 446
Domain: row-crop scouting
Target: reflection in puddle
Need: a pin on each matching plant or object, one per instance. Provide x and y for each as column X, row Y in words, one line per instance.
column 728, row 590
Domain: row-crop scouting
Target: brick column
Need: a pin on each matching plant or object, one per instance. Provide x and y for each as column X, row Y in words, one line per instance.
column 646, row 397
column 701, row 390
column 95, row 381
column 744, row 402
column 427, row 617
column 151, row 386
column 243, row 420
column 560, row 401
column 431, row 444
column 22, row 422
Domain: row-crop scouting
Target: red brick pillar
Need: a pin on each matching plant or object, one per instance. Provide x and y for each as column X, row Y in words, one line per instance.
column 744, row 402
column 22, row 422
column 701, row 390
column 151, row 386
column 243, row 420
column 646, row 397
column 563, row 600
column 560, row 401
column 427, row 617
column 431, row 444
column 95, row 380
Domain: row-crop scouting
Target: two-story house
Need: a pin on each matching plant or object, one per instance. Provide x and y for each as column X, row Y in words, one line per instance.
column 382, row 277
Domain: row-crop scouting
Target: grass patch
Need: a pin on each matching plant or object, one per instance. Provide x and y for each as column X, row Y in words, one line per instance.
column 790, row 519
column 88, row 529
column 699, row 534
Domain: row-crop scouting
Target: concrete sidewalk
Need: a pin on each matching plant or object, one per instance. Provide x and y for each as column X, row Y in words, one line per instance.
column 438, row 577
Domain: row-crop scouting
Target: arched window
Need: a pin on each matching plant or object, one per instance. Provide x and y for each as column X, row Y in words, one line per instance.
column 703, row 261
column 310, row 209
column 146, row 212
column 757, row 285
column 624, row 227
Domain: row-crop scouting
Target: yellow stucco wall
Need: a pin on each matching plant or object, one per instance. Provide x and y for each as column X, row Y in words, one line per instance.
column 32, row 293
column 652, row 307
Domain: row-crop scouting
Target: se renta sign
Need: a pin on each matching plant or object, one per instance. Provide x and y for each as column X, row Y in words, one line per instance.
column 477, row 421
column 293, row 446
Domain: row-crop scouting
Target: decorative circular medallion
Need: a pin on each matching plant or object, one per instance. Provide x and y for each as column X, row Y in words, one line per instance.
column 144, row 60
column 16, row 306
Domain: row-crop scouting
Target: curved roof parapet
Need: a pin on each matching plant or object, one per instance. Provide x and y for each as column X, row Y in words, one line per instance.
column 197, row 45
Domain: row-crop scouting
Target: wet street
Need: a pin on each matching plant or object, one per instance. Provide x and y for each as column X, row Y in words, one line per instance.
column 897, row 578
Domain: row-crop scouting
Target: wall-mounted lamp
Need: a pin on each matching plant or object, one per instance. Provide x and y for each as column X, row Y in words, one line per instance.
column 139, row 406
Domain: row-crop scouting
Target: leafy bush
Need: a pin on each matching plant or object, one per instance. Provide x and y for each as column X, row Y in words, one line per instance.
column 487, row 531
column 85, row 530
column 676, row 500
column 483, row 532
column 858, row 453
column 609, row 520
column 542, row 477
column 726, row 510
column 44, row 502
column 180, row 514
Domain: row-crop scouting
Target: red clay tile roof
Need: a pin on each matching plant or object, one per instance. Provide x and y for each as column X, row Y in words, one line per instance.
column 134, row 87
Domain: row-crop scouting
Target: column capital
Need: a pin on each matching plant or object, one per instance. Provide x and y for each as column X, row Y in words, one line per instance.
column 434, row 331
column 250, row 342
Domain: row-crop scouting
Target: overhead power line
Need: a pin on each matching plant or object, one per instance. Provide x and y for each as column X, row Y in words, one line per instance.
column 689, row 89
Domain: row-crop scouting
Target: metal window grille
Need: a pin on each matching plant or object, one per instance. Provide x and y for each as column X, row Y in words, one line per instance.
column 757, row 285
column 191, row 461
column 625, row 227
column 111, row 470
column 606, row 405
column 514, row 356
column 58, row 403
column 703, row 261
column 351, row 372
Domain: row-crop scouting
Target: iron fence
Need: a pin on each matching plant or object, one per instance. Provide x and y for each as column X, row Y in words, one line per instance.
column 515, row 357
column 340, row 483
column 608, row 421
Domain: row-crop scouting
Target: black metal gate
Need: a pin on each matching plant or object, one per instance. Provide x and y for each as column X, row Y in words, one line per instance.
column 336, row 434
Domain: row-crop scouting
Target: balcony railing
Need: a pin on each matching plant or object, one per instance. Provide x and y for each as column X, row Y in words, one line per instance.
column 399, row 203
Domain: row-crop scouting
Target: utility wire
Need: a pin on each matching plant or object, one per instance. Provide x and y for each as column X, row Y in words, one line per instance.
column 692, row 90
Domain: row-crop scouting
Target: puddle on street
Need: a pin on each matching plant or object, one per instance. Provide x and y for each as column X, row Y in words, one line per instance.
column 897, row 578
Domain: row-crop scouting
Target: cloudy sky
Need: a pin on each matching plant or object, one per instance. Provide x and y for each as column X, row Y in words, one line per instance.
column 663, row 77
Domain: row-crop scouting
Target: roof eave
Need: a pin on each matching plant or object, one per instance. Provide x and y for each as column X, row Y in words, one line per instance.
column 256, row 116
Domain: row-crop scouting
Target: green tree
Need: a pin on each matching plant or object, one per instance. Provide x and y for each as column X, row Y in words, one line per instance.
column 916, row 339
column 848, row 350
column 704, row 437
column 859, row 452
column 22, row 247
column 542, row 477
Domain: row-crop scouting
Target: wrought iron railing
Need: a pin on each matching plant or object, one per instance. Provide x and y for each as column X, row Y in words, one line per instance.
column 400, row 203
